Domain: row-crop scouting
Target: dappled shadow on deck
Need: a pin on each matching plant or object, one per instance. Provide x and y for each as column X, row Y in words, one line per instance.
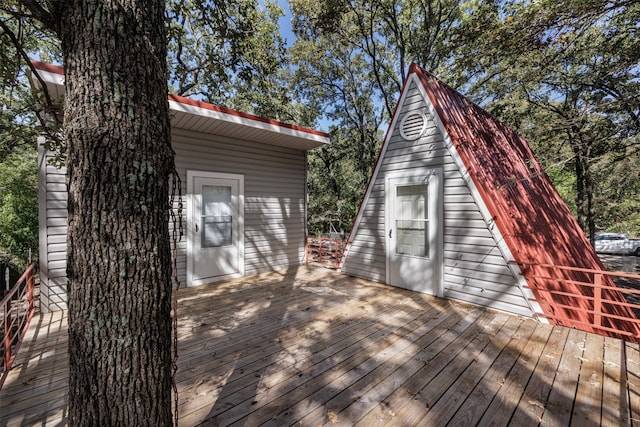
column 309, row 346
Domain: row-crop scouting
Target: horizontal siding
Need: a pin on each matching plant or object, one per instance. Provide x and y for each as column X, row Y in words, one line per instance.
column 53, row 296
column 274, row 206
column 365, row 262
column 475, row 270
column 53, row 245
column 500, row 302
column 274, row 194
column 454, row 254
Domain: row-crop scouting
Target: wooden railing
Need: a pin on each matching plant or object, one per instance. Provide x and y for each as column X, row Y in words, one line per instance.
column 609, row 303
column 325, row 251
column 17, row 310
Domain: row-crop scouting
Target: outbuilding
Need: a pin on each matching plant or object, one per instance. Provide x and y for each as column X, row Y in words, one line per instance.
column 459, row 207
column 243, row 191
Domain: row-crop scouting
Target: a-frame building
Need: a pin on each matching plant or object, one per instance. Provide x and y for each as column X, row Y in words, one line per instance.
column 458, row 206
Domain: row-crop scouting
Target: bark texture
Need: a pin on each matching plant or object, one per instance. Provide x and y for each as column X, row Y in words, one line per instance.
column 117, row 131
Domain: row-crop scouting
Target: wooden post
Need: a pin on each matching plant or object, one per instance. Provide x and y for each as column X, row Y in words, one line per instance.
column 7, row 336
column 30, row 283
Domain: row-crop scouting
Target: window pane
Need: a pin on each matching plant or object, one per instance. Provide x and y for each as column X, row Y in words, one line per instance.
column 412, row 220
column 217, row 216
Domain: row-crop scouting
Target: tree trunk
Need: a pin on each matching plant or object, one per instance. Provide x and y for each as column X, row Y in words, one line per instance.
column 580, row 184
column 591, row 216
column 117, row 130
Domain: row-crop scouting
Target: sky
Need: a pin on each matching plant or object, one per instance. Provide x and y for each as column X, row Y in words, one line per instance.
column 285, row 22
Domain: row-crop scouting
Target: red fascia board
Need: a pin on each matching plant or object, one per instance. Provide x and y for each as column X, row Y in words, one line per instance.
column 56, row 69
column 248, row 116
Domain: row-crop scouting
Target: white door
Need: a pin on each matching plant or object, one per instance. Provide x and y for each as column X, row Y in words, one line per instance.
column 215, row 244
column 413, row 222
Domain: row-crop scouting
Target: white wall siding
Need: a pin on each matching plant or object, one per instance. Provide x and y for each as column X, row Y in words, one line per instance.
column 274, row 208
column 52, row 195
column 475, row 269
column 274, row 194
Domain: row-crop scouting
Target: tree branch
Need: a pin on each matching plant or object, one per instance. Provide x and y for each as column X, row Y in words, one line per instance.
column 49, row 105
column 40, row 13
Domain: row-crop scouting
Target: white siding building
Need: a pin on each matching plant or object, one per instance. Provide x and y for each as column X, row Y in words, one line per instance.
column 423, row 225
column 243, row 193
column 459, row 207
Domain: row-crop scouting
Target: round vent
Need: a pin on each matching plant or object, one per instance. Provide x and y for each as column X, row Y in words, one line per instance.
column 413, row 125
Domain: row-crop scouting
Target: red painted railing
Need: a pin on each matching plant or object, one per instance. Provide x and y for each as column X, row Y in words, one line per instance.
column 588, row 299
column 325, row 251
column 17, row 310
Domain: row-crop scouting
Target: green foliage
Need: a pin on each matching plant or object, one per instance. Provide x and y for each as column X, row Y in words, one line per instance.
column 566, row 75
column 618, row 195
column 232, row 54
column 24, row 114
column 350, row 59
column 19, row 206
column 337, row 181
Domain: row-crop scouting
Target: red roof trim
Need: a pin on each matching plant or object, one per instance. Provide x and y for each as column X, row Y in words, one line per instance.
column 56, row 69
column 248, row 116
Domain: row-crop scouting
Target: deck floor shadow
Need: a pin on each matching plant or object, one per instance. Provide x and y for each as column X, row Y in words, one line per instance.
column 309, row 346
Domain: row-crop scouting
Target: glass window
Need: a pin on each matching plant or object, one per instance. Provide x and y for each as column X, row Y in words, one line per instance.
column 217, row 216
column 412, row 220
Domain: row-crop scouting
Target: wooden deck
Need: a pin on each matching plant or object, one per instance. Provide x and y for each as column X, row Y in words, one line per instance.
column 310, row 346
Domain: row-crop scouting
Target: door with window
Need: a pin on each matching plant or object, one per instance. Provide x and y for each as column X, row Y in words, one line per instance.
column 215, row 246
column 413, row 223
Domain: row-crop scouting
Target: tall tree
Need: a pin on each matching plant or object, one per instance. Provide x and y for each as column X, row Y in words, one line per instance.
column 117, row 132
column 19, row 206
column 566, row 75
column 231, row 53
column 19, row 111
column 343, row 86
column 351, row 57
column 389, row 35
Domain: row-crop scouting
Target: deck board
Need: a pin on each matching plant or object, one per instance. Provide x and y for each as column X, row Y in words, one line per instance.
column 357, row 384
column 587, row 408
column 516, row 379
column 373, row 387
column 632, row 368
column 423, row 368
column 495, row 385
column 532, row 402
column 559, row 404
column 431, row 404
column 309, row 346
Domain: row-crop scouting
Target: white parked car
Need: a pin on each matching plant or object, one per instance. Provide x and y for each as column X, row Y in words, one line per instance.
column 617, row 243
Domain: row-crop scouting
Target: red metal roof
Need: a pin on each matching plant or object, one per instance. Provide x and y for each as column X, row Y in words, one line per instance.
column 535, row 222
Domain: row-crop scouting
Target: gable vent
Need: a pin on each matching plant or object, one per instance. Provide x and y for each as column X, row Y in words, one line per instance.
column 413, row 125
